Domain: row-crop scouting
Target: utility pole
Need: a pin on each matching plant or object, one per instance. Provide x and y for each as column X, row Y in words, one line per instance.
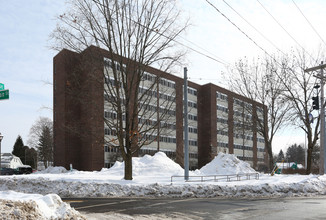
column 186, row 142
column 322, row 164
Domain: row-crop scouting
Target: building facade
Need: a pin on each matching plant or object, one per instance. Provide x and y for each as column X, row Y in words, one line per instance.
column 219, row 120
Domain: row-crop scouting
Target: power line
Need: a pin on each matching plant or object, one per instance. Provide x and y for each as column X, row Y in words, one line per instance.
column 284, row 28
column 253, row 27
column 277, row 62
column 237, row 27
column 184, row 45
column 309, row 22
column 215, row 58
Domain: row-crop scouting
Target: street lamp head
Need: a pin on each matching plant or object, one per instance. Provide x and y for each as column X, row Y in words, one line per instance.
column 317, row 86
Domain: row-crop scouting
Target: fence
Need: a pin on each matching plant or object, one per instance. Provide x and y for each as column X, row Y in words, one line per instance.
column 216, row 178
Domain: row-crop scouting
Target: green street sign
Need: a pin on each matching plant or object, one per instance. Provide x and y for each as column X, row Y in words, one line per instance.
column 2, row 86
column 4, row 94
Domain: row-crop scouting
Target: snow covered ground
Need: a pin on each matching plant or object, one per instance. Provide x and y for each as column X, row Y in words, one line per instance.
column 151, row 177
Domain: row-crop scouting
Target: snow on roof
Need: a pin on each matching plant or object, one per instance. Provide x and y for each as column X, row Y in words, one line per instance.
column 7, row 157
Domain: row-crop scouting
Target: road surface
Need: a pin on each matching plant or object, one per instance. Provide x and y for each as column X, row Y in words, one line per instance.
column 201, row 208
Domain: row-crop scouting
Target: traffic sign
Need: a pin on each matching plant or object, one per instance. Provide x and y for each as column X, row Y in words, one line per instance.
column 4, row 94
column 2, row 86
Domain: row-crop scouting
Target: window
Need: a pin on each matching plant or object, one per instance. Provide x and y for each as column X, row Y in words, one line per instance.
column 222, row 108
column 222, row 120
column 192, row 117
column 192, row 91
column 192, row 104
column 192, row 130
column 221, row 96
column 111, row 132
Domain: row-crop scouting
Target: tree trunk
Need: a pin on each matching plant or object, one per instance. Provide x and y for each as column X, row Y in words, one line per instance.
column 310, row 148
column 270, row 156
column 128, row 167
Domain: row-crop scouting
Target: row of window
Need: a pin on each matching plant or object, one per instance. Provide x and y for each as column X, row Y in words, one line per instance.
column 221, row 96
column 164, row 82
column 261, row 140
column 153, row 108
column 222, row 120
column 245, row 158
column 170, row 154
column 242, row 103
column 241, row 147
column 152, row 122
column 246, row 137
column 168, row 83
column 240, row 114
column 222, row 108
column 192, row 91
column 259, row 109
column 112, row 115
column 117, row 66
column 112, row 98
column 111, row 132
column 112, row 82
column 222, row 144
column 221, row 132
column 242, row 125
column 154, row 93
column 192, row 104
column 193, row 130
column 192, row 117
column 193, row 142
column 111, row 149
column 162, row 138
column 149, row 77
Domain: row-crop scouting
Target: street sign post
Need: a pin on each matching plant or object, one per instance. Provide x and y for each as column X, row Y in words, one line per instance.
column 2, row 86
column 4, row 94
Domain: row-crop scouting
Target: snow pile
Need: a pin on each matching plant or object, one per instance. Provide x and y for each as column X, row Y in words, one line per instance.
column 14, row 205
column 226, row 164
column 53, row 170
column 157, row 165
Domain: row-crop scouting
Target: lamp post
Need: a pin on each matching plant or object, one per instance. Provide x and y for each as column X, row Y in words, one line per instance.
column 1, row 137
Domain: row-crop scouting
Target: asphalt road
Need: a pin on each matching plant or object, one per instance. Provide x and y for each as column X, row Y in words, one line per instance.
column 201, row 208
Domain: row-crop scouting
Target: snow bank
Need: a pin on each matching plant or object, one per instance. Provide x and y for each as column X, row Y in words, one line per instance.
column 53, row 170
column 152, row 177
column 35, row 206
column 226, row 164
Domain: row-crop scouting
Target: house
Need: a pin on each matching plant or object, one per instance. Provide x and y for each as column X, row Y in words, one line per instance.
column 9, row 160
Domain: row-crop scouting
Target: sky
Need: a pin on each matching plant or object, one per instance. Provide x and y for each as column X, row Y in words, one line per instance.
column 26, row 58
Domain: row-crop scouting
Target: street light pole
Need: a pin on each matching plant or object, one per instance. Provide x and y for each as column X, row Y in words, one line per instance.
column 1, row 137
column 186, row 142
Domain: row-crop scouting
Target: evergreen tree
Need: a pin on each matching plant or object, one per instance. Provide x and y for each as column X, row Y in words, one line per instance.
column 45, row 146
column 295, row 153
column 19, row 148
column 31, row 157
column 280, row 156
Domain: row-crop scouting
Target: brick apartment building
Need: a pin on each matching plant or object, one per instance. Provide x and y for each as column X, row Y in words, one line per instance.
column 218, row 118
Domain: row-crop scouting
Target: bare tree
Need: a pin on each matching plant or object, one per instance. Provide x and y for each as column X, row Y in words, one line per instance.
column 36, row 130
column 299, row 91
column 260, row 82
column 137, row 34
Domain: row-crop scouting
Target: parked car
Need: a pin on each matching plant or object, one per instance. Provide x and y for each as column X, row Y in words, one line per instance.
column 8, row 171
column 25, row 169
